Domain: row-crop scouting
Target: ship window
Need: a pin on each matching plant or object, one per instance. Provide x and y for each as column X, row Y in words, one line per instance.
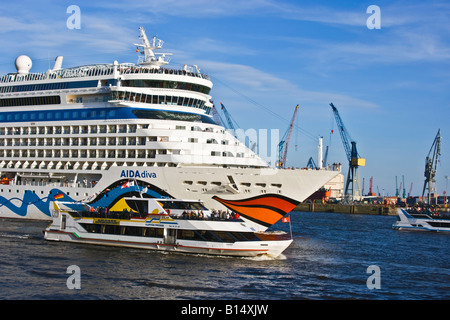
column 166, row 84
column 29, row 101
column 171, row 115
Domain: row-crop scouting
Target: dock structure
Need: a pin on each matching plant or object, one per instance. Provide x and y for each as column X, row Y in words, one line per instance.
column 347, row 208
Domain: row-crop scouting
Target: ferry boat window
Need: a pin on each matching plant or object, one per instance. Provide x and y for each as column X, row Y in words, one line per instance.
column 112, row 229
column 245, row 236
column 139, row 205
column 207, row 235
column 154, row 232
column 224, row 236
column 187, row 235
column 134, row 231
column 63, row 221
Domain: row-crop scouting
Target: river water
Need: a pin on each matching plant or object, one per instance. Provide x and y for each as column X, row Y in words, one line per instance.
column 333, row 256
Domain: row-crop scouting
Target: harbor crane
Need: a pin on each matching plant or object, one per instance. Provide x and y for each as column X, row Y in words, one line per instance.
column 231, row 125
column 410, row 190
column 404, row 190
column 431, row 162
column 228, row 117
column 352, row 186
column 284, row 143
column 216, row 116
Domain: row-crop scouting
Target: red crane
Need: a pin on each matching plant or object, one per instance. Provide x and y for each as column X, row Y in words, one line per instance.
column 370, row 188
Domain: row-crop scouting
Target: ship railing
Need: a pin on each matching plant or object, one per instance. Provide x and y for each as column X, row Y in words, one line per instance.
column 141, row 70
column 76, row 72
column 44, row 183
column 95, row 70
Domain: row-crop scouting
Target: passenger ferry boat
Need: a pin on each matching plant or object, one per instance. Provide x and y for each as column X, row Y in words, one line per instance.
column 421, row 221
column 96, row 133
column 165, row 225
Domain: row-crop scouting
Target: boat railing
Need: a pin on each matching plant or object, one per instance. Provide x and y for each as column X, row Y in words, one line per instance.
column 127, row 215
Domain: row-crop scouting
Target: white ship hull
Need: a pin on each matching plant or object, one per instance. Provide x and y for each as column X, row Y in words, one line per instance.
column 27, row 201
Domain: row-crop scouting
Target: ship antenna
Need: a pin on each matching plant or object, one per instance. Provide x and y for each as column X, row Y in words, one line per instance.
column 150, row 58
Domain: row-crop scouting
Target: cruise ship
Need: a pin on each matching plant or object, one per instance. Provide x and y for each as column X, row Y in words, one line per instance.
column 98, row 133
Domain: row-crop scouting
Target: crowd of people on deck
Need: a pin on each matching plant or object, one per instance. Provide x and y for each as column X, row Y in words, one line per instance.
column 102, row 212
column 215, row 215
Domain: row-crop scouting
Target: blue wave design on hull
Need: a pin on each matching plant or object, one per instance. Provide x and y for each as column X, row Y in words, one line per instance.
column 31, row 199
column 43, row 204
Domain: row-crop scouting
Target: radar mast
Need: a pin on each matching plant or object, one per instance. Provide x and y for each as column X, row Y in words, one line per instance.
column 150, row 58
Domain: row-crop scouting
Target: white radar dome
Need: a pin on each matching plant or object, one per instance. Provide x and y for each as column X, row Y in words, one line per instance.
column 23, row 64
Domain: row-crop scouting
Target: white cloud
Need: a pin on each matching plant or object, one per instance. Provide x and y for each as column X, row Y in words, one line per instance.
column 252, row 83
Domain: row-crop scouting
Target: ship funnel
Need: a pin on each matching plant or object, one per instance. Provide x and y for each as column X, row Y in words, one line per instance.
column 58, row 63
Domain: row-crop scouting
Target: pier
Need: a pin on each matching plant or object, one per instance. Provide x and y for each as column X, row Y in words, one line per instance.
column 373, row 209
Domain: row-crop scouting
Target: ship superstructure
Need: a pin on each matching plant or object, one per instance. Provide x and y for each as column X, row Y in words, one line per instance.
column 97, row 132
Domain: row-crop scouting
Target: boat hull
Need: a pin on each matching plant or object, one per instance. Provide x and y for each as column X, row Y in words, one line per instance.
column 80, row 223
column 237, row 249
column 420, row 222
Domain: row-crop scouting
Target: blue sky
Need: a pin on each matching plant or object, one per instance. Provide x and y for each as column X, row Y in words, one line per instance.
column 391, row 85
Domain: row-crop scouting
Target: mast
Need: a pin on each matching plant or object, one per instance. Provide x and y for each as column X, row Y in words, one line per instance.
column 150, row 58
